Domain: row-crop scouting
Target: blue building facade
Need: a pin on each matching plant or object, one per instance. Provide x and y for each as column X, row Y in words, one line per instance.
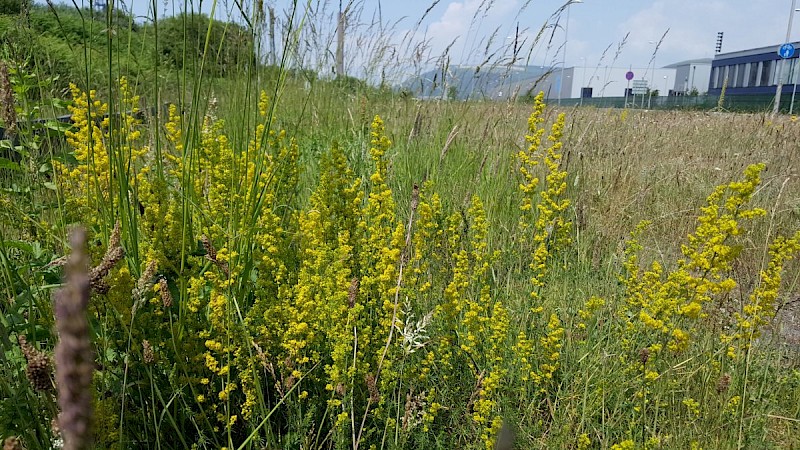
column 753, row 71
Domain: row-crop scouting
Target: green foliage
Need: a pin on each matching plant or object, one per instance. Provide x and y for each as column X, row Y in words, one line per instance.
column 13, row 6
column 182, row 42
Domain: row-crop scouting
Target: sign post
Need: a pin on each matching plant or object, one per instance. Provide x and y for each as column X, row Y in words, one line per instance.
column 629, row 77
column 785, row 51
column 639, row 88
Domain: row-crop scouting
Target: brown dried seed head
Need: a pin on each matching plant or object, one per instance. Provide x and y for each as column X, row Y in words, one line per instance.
column 58, row 262
column 289, row 382
column 73, row 354
column 352, row 292
column 114, row 239
column 644, row 355
column 414, row 197
column 99, row 286
column 7, row 111
column 12, row 443
column 166, row 295
column 39, row 369
column 724, row 383
column 211, row 252
column 111, row 258
column 339, row 389
column 372, row 387
column 147, row 352
column 147, row 276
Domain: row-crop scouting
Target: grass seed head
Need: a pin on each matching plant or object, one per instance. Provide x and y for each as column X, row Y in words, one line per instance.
column 166, row 295
column 39, row 369
column 8, row 113
column 12, row 443
column 724, row 383
column 147, row 352
column 73, row 354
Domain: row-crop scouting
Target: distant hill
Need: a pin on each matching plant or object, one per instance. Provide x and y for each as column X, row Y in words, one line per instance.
column 470, row 82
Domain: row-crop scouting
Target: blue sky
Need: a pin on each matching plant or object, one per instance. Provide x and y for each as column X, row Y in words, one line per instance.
column 594, row 26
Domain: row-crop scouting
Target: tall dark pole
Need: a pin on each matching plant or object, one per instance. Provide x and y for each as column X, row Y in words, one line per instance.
column 782, row 62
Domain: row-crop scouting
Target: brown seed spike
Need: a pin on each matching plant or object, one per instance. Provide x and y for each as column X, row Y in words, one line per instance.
column 111, row 258
column 146, row 279
column 644, row 355
column 724, row 383
column 39, row 369
column 73, row 353
column 352, row 292
column 211, row 252
column 114, row 239
column 372, row 387
column 12, row 443
column 415, row 197
column 166, row 295
column 7, row 111
column 147, row 352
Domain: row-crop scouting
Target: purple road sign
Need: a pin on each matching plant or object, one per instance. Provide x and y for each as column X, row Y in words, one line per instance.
column 629, row 76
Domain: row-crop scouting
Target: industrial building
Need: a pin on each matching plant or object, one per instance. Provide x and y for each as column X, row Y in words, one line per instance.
column 691, row 76
column 593, row 82
column 753, row 71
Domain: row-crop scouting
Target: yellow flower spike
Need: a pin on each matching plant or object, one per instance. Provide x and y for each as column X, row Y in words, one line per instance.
column 263, row 104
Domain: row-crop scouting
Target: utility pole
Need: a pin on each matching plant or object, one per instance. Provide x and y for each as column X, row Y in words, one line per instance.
column 564, row 56
column 778, row 89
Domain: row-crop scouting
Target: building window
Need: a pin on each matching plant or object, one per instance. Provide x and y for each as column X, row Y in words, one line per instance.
column 767, row 68
column 753, row 78
column 789, row 71
column 720, row 77
column 740, row 75
column 586, row 92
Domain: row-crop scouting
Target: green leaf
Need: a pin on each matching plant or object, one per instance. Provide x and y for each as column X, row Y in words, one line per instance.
column 26, row 247
column 6, row 163
column 55, row 125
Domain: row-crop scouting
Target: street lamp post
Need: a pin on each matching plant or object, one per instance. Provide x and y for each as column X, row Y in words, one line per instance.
column 793, row 79
column 783, row 61
column 583, row 77
column 564, row 56
column 652, row 75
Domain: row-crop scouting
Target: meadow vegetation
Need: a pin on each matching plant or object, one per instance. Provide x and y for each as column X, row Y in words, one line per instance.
column 279, row 261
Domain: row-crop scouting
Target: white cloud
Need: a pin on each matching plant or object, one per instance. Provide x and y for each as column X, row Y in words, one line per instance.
column 470, row 23
column 693, row 26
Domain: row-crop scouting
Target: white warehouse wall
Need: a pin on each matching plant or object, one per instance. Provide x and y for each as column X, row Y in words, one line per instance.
column 611, row 82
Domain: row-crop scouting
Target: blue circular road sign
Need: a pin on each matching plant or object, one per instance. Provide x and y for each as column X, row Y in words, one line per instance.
column 786, row 51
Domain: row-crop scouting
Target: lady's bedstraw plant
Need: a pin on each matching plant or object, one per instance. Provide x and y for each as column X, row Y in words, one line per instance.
column 109, row 156
column 544, row 229
column 669, row 307
column 666, row 314
column 761, row 304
